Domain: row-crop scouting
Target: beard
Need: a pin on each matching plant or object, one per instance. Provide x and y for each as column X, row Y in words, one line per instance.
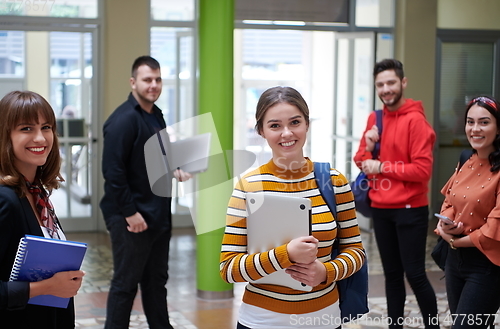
column 395, row 100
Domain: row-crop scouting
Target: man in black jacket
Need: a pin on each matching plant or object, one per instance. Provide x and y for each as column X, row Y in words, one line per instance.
column 139, row 222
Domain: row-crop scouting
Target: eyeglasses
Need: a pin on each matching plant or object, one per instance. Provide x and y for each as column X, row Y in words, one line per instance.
column 485, row 100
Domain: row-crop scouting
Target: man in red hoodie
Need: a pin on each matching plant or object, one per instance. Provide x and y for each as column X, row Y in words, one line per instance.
column 398, row 193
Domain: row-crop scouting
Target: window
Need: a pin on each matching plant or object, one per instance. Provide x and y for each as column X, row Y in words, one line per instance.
column 11, row 54
column 172, row 10
column 375, row 13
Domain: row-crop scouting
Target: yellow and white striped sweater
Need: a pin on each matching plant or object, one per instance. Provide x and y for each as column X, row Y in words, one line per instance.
column 236, row 265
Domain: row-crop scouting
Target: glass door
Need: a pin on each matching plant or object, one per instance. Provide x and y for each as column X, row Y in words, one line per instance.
column 353, row 95
column 174, row 48
column 60, row 67
column 264, row 59
column 71, row 96
column 353, row 100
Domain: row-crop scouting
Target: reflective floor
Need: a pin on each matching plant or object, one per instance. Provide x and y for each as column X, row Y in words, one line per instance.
column 189, row 312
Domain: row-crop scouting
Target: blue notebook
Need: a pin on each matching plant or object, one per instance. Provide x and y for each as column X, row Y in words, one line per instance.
column 39, row 258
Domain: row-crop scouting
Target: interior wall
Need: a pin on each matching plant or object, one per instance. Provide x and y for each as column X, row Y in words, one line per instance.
column 126, row 36
column 467, row 14
column 38, row 62
column 415, row 47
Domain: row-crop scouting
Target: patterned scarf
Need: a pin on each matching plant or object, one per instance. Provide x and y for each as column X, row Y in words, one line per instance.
column 45, row 209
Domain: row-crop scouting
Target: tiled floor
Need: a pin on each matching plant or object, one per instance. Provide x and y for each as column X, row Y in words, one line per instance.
column 189, row 312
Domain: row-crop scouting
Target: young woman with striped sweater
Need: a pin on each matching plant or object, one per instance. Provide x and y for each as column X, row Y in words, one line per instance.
column 283, row 120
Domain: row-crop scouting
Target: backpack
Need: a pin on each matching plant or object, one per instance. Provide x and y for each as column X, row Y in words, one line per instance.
column 353, row 291
column 360, row 185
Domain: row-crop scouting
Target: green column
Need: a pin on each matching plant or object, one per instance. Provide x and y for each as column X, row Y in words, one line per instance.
column 216, row 25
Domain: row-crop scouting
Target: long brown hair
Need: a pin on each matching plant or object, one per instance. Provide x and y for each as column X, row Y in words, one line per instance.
column 26, row 106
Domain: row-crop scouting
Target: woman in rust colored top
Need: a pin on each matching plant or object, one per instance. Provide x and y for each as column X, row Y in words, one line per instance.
column 472, row 202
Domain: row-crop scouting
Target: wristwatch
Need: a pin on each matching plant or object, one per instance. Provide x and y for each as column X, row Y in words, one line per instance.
column 451, row 244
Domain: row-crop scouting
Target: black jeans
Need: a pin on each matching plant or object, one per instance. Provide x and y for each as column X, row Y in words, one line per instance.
column 401, row 236
column 473, row 288
column 138, row 259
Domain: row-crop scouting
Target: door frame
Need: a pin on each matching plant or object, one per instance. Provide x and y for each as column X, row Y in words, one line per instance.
column 28, row 24
column 458, row 36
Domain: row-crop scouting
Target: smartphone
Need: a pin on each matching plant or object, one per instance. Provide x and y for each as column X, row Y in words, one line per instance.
column 445, row 219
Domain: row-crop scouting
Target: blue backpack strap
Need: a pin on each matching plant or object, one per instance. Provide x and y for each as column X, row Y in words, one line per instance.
column 324, row 181
column 378, row 114
column 376, row 150
column 325, row 186
column 353, row 291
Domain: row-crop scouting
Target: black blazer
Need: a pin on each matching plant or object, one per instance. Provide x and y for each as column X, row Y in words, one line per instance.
column 16, row 220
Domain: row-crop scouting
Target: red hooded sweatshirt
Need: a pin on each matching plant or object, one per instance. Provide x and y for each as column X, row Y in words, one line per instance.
column 406, row 147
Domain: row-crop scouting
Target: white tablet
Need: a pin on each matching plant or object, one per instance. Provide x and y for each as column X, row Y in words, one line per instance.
column 273, row 220
column 190, row 154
